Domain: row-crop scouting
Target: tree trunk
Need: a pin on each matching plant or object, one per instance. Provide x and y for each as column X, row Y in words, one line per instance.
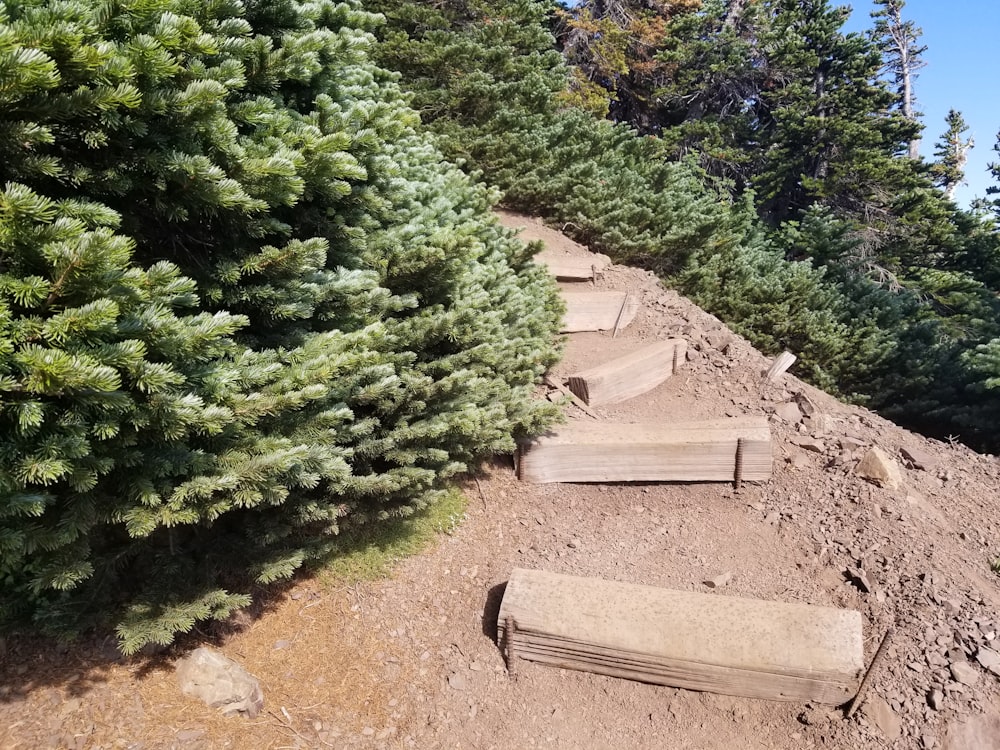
column 906, row 73
column 734, row 13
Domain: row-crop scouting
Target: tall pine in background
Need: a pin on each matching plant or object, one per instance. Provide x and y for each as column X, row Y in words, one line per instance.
column 244, row 303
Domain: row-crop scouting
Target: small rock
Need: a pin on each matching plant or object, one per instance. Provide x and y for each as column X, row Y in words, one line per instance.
column 880, row 469
column 850, row 444
column 864, row 582
column 799, row 461
column 935, row 699
column 220, row 682
column 881, row 715
column 718, row 339
column 989, row 660
column 278, row 645
column 814, row 716
column 918, row 459
column 964, row 673
column 788, row 412
column 457, row 682
column 806, row 406
column 189, row 735
column 573, row 543
column 806, row 444
column 980, row 732
column 720, row 580
column 818, row 423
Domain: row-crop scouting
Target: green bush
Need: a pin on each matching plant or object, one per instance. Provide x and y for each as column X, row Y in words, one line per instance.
column 245, row 304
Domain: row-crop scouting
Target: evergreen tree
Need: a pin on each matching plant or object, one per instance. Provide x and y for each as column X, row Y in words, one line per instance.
column 714, row 73
column 831, row 139
column 951, row 153
column 899, row 42
column 613, row 44
column 244, row 302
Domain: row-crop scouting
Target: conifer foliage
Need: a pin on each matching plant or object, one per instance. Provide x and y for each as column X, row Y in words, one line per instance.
column 243, row 303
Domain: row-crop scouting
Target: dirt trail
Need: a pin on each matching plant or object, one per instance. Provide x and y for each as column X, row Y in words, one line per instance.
column 410, row 661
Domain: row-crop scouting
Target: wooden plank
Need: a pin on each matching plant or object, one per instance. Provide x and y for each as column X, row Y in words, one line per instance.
column 621, row 313
column 781, row 363
column 598, row 311
column 569, row 268
column 748, row 647
column 629, row 376
column 683, row 452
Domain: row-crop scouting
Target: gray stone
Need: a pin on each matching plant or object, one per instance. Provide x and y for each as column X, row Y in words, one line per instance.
column 220, row 682
column 719, row 339
column 818, row 424
column 864, row 581
column 877, row 467
column 805, row 405
column 935, row 699
column 850, row 444
column 919, row 459
column 878, row 712
column 457, row 682
column 963, row 672
column 788, row 412
column 816, row 446
column 977, row 733
column 720, row 580
column 989, row 660
column 799, row 461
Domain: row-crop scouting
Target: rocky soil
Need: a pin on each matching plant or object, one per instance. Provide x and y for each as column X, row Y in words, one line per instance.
column 411, row 662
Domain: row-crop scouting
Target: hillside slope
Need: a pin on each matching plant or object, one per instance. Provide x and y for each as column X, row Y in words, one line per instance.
column 409, row 662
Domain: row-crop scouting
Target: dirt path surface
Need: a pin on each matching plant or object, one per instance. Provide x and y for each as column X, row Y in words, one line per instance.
column 411, row 661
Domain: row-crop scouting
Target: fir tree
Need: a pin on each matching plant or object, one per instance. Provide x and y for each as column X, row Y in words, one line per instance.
column 831, row 141
column 899, row 42
column 245, row 304
column 951, row 153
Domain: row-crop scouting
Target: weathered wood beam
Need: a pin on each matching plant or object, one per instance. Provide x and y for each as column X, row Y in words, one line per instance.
column 628, row 376
column 682, row 452
column 598, row 311
column 748, row 647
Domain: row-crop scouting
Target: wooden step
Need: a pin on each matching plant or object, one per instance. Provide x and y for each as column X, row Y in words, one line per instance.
column 569, row 268
column 629, row 376
column 598, row 311
column 683, row 452
column 746, row 647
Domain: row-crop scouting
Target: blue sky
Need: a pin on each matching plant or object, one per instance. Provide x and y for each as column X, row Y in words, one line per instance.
column 961, row 36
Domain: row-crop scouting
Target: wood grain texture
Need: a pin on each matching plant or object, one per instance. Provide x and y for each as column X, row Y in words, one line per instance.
column 774, row 650
column 683, row 452
column 628, row 376
column 598, row 311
